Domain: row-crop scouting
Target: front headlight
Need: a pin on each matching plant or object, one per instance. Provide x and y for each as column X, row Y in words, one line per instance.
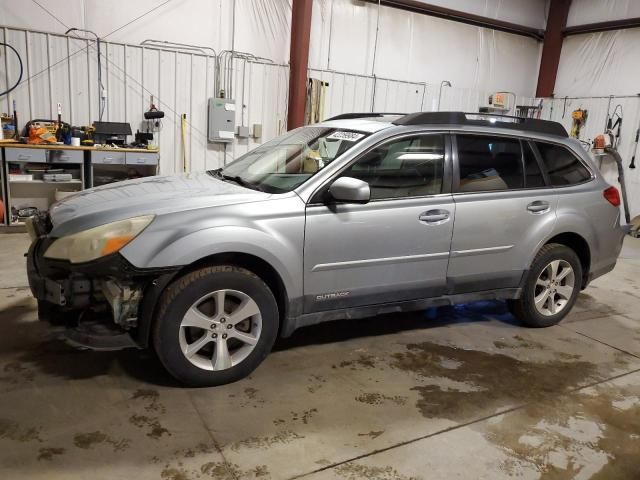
column 97, row 242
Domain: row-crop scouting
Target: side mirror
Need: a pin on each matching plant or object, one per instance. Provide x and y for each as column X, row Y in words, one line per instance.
column 350, row 190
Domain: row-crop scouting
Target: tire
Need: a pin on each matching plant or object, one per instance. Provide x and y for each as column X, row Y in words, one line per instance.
column 559, row 302
column 195, row 355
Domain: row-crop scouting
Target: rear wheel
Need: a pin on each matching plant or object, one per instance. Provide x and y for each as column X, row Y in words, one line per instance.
column 551, row 288
column 215, row 325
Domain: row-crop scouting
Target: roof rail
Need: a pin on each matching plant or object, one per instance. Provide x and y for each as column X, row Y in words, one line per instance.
column 500, row 121
column 347, row 116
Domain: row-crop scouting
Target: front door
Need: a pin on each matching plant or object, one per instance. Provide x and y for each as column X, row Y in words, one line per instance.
column 394, row 248
column 503, row 211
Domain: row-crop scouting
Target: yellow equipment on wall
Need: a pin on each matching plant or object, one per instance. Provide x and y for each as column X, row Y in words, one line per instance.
column 314, row 104
column 185, row 158
column 579, row 119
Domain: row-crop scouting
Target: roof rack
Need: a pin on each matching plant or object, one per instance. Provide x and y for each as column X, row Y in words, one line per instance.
column 500, row 121
column 348, row 116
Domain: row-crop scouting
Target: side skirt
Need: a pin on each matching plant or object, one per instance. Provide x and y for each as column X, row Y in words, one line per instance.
column 305, row 320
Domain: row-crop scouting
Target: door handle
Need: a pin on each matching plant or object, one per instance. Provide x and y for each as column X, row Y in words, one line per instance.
column 539, row 206
column 434, row 217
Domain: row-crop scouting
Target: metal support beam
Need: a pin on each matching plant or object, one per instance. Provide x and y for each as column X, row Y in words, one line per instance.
column 418, row 6
column 603, row 26
column 299, row 59
column 552, row 47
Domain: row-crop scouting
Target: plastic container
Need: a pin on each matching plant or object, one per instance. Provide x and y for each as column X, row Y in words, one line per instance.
column 8, row 131
column 20, row 177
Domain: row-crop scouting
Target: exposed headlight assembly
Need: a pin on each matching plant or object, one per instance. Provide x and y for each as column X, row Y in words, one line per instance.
column 98, row 241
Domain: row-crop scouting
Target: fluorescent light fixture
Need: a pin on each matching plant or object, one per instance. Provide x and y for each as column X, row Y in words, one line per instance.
column 420, row 156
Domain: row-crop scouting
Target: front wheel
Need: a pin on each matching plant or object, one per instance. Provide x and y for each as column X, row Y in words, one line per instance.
column 215, row 325
column 551, row 288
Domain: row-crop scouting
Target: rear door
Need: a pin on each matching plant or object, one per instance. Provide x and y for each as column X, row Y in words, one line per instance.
column 503, row 211
column 394, row 248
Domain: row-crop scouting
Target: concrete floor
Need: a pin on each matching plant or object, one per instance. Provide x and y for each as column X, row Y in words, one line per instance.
column 447, row 393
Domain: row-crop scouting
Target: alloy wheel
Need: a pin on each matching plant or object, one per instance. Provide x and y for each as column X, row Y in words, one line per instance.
column 220, row 330
column 554, row 287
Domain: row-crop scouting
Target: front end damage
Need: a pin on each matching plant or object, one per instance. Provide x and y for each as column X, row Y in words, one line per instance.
column 111, row 320
column 123, row 299
column 106, row 304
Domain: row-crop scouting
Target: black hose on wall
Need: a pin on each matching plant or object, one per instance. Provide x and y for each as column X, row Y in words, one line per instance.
column 21, row 69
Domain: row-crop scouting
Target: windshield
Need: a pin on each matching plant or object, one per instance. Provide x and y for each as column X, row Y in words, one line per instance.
column 288, row 161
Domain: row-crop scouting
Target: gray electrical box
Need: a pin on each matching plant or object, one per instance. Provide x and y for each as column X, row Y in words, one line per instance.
column 243, row 132
column 222, row 120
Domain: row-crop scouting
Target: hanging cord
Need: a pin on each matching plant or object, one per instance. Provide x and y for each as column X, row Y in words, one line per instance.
column 614, row 125
column 102, row 99
column 375, row 43
column 21, row 69
column 103, row 96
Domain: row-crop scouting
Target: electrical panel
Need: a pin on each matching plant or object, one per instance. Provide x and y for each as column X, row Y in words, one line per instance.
column 222, row 120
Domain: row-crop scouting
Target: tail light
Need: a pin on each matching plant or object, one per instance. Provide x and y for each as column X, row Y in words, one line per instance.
column 612, row 196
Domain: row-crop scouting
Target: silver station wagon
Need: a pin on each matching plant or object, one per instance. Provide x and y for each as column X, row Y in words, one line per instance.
column 359, row 215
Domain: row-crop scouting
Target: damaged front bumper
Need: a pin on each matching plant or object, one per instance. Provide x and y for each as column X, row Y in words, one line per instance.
column 106, row 304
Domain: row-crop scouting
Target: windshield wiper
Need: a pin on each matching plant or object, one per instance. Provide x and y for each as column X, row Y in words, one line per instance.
column 215, row 173
column 237, row 179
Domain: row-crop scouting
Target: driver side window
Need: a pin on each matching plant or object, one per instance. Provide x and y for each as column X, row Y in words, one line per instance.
column 406, row 167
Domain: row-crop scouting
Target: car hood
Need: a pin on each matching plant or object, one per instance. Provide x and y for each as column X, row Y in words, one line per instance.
column 151, row 195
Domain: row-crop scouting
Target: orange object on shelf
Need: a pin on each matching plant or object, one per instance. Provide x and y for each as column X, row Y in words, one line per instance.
column 599, row 142
column 40, row 135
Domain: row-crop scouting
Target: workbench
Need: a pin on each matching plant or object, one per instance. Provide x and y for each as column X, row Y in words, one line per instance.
column 22, row 182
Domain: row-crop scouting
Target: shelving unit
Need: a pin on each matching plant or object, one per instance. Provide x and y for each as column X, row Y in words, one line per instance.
column 43, row 181
column 113, row 166
column 88, row 166
column 37, row 192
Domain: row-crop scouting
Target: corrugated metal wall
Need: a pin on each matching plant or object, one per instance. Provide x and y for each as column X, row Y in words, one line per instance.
column 559, row 110
column 348, row 92
column 364, row 38
column 58, row 68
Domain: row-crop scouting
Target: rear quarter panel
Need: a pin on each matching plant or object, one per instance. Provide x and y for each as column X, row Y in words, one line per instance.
column 582, row 209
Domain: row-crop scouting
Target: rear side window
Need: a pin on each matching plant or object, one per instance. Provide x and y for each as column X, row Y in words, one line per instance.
column 489, row 163
column 563, row 167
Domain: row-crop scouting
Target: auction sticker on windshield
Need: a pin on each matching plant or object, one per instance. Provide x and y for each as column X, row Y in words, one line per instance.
column 348, row 136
